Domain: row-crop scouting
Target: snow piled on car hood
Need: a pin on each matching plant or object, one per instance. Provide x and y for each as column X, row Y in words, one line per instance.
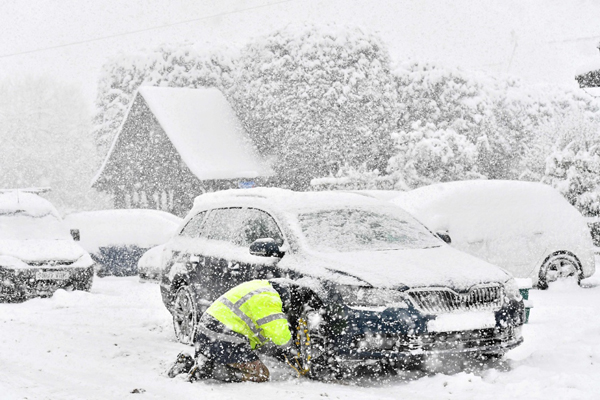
column 439, row 266
column 41, row 250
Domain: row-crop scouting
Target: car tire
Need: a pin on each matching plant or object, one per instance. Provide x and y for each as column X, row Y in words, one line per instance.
column 185, row 315
column 86, row 285
column 557, row 267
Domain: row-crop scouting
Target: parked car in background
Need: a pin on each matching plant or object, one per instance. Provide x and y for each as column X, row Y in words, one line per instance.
column 594, row 225
column 38, row 255
column 527, row 228
column 117, row 239
column 387, row 289
column 150, row 264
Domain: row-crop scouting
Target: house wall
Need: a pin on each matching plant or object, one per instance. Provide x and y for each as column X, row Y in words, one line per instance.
column 145, row 170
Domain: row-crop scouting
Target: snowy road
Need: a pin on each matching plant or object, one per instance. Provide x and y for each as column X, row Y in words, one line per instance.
column 105, row 344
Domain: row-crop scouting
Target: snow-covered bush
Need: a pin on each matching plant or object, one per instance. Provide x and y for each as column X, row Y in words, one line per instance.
column 46, row 141
column 168, row 65
column 356, row 178
column 316, row 99
column 457, row 125
column 428, row 155
column 564, row 150
column 571, row 146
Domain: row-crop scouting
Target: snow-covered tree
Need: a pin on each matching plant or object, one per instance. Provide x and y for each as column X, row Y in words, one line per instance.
column 316, row 99
column 179, row 65
column 461, row 125
column 46, row 141
column 566, row 155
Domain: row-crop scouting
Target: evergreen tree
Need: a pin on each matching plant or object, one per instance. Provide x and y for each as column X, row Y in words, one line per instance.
column 315, row 100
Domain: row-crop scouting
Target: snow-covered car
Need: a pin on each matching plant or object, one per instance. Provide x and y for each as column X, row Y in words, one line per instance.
column 38, row 254
column 117, row 239
column 149, row 265
column 527, row 228
column 389, row 289
column 594, row 225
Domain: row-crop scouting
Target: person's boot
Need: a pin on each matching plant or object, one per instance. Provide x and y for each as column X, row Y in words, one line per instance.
column 226, row 373
column 254, row 371
column 203, row 369
column 182, row 365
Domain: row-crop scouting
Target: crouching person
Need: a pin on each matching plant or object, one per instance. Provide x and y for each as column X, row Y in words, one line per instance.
column 243, row 319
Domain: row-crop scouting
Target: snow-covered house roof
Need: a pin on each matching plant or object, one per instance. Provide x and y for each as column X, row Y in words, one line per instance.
column 203, row 129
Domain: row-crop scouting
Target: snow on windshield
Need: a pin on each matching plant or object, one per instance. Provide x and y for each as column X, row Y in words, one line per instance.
column 22, row 226
column 345, row 230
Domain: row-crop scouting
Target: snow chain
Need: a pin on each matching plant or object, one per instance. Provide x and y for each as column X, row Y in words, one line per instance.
column 300, row 369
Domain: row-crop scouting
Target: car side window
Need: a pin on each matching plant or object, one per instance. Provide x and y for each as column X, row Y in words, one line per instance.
column 258, row 224
column 224, row 224
column 192, row 228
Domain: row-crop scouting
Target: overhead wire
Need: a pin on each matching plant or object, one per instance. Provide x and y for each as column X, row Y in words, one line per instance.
column 144, row 30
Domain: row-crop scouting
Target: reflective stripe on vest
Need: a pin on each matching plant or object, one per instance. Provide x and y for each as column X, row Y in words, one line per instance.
column 270, row 318
column 220, row 336
column 235, row 308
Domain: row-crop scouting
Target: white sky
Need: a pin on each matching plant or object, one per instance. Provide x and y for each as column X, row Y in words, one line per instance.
column 538, row 40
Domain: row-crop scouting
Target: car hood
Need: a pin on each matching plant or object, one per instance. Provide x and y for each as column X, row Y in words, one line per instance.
column 40, row 250
column 438, row 266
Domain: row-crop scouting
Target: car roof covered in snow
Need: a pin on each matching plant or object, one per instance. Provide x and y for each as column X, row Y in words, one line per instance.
column 25, row 203
column 479, row 206
column 287, row 200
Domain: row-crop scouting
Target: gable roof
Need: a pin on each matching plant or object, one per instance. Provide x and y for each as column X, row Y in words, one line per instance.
column 205, row 131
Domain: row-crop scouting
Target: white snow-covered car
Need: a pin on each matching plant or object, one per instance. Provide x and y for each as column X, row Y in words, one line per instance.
column 150, row 264
column 38, row 254
column 527, row 228
column 594, row 225
column 117, row 239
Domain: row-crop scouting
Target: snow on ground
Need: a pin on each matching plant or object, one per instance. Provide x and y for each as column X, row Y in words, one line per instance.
column 105, row 344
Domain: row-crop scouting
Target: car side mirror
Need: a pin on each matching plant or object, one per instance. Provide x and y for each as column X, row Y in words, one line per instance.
column 444, row 236
column 75, row 235
column 193, row 262
column 266, row 247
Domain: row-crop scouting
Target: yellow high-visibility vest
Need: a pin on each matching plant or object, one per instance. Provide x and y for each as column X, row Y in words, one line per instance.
column 253, row 309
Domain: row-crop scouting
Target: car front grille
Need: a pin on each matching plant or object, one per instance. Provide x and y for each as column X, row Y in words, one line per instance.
column 446, row 300
column 50, row 263
column 435, row 341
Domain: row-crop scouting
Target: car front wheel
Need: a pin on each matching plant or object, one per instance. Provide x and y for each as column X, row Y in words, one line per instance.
column 559, row 266
column 185, row 316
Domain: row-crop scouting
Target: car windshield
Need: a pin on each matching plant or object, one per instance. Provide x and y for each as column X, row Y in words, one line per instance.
column 22, row 226
column 346, row 230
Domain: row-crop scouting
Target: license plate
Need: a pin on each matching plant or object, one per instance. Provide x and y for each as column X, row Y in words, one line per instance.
column 462, row 321
column 51, row 275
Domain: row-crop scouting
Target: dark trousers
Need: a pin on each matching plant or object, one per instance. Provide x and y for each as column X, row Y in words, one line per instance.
column 220, row 344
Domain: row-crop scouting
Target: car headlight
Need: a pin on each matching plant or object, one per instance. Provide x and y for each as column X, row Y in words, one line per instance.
column 371, row 297
column 512, row 290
